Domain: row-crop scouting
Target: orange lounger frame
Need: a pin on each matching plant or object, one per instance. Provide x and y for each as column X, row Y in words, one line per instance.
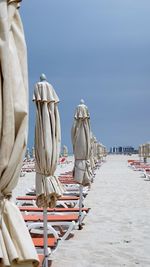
column 39, row 242
column 50, row 218
column 64, row 201
column 63, row 198
column 36, row 209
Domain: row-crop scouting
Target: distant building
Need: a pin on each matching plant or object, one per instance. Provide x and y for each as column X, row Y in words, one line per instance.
column 122, row 150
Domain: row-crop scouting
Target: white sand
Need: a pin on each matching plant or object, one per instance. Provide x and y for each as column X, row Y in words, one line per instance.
column 117, row 230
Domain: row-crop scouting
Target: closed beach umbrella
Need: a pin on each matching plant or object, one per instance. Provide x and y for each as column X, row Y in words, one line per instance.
column 144, row 152
column 16, row 247
column 47, row 143
column 65, row 151
column 47, row 146
column 147, row 149
column 95, row 150
column 28, row 154
column 81, row 148
column 33, row 152
column 105, row 151
column 99, row 151
column 92, row 163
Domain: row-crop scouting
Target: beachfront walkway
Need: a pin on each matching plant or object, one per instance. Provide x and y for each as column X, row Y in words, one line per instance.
column 117, row 230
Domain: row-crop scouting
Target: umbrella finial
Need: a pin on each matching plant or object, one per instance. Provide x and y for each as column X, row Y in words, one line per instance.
column 43, row 77
column 82, row 101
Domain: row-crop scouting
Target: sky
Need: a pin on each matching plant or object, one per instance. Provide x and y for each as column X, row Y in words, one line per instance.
column 97, row 50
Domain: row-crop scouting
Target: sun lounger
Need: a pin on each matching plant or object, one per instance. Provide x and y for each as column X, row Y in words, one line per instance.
column 63, row 201
column 55, row 210
column 59, row 230
column 139, row 166
column 69, row 191
column 64, row 198
column 64, row 223
column 132, row 161
column 51, row 218
column 60, row 226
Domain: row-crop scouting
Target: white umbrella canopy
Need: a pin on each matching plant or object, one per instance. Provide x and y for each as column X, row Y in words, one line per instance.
column 33, row 152
column 16, row 247
column 144, row 150
column 27, row 154
column 95, row 149
column 81, row 144
column 99, row 151
column 47, row 143
column 92, row 163
column 105, row 151
column 147, row 149
column 65, row 151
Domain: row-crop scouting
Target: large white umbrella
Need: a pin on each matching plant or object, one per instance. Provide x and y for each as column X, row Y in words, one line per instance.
column 81, row 148
column 16, row 247
column 47, row 147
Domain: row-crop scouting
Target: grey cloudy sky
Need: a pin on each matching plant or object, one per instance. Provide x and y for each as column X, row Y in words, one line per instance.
column 98, row 50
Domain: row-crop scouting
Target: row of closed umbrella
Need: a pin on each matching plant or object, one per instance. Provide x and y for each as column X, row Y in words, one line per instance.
column 87, row 151
column 16, row 247
column 47, row 148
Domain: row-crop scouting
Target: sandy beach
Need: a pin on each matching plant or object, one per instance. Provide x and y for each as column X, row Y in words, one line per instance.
column 74, row 108
column 117, row 229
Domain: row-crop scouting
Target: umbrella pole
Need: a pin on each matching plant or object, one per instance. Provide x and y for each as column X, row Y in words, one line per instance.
column 45, row 238
column 80, row 206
